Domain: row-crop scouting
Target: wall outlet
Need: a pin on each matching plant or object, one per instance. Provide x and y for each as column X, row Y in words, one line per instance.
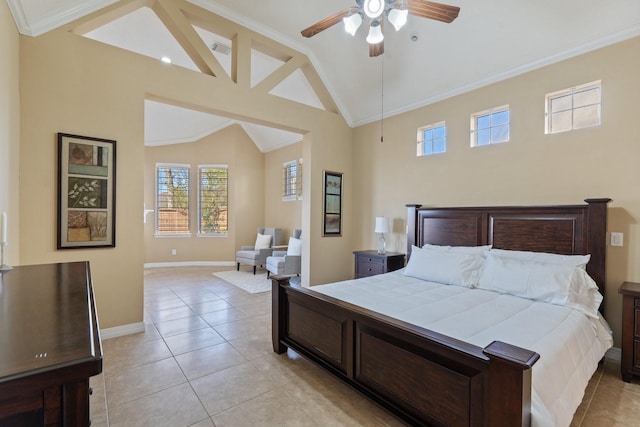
column 173, row 252
column 617, row 239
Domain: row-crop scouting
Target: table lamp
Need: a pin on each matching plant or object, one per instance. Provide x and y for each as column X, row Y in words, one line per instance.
column 382, row 226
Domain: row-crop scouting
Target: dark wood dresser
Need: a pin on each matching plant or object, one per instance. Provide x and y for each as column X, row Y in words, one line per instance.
column 630, row 364
column 370, row 263
column 49, row 345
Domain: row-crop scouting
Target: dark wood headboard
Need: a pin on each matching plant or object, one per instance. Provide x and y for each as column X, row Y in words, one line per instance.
column 563, row 229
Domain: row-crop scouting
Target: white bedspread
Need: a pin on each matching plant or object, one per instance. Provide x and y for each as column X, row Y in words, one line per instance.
column 570, row 344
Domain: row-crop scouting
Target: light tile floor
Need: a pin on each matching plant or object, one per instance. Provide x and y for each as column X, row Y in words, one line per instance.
column 205, row 359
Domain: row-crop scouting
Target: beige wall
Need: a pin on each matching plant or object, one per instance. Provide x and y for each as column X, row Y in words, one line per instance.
column 532, row 168
column 278, row 213
column 9, row 130
column 76, row 85
column 69, row 86
column 234, row 148
column 332, row 256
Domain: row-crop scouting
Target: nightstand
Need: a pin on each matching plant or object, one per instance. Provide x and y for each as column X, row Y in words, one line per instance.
column 370, row 263
column 630, row 365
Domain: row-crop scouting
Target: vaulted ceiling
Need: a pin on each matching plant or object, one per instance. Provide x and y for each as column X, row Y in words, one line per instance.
column 424, row 62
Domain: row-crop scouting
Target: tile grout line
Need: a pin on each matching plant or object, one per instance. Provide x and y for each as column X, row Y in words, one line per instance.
column 226, row 341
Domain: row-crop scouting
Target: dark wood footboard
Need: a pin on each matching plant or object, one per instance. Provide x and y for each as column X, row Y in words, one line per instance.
column 423, row 377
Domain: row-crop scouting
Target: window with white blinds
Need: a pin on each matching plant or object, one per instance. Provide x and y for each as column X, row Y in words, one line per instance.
column 292, row 180
column 213, row 199
column 172, row 199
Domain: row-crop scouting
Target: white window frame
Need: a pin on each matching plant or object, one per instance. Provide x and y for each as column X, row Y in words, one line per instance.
column 285, row 168
column 157, row 208
column 200, row 232
column 571, row 92
column 490, row 112
column 420, row 152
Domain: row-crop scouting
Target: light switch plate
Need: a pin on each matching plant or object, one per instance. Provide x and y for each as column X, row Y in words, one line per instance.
column 617, row 239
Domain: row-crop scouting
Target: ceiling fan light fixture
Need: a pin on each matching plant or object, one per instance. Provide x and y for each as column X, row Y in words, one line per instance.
column 352, row 23
column 375, row 33
column 373, row 8
column 376, row 12
column 398, row 17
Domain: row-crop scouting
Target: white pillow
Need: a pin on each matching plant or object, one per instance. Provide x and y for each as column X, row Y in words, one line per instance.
column 263, row 241
column 295, row 246
column 444, row 267
column 544, row 257
column 558, row 284
column 469, row 250
column 584, row 294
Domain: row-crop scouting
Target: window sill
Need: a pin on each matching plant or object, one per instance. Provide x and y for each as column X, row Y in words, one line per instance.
column 291, row 199
column 171, row 236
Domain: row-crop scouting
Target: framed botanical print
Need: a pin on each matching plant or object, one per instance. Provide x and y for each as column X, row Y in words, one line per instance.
column 86, row 192
column 332, row 210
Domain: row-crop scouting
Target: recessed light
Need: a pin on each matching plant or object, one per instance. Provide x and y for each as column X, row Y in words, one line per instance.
column 166, row 59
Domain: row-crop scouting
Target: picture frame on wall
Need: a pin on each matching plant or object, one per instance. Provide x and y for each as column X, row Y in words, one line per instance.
column 332, row 204
column 86, row 192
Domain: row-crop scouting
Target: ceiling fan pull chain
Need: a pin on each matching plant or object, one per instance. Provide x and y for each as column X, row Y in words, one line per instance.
column 382, row 100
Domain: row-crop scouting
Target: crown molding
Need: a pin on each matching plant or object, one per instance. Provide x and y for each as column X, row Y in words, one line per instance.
column 62, row 16
column 256, row 139
column 549, row 60
column 193, row 138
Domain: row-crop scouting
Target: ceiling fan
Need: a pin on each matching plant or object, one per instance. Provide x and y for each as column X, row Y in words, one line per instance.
column 396, row 12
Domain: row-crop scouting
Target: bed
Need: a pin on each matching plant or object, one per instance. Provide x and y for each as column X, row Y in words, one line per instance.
column 428, row 376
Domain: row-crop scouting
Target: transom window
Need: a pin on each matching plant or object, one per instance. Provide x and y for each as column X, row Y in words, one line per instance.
column 172, row 199
column 213, row 195
column 574, row 108
column 292, row 180
column 490, row 126
column 432, row 139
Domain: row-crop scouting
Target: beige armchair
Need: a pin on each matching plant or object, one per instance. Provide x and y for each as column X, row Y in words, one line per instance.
column 257, row 254
column 287, row 263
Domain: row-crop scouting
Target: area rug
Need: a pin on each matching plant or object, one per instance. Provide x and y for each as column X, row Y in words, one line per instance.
column 245, row 279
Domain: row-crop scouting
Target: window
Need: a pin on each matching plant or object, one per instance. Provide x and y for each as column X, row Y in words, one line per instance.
column 574, row 108
column 432, row 139
column 172, row 199
column 292, row 180
column 490, row 126
column 213, row 197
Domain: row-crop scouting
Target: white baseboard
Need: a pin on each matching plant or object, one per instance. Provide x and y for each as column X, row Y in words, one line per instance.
column 119, row 331
column 134, row 328
column 614, row 353
column 190, row 264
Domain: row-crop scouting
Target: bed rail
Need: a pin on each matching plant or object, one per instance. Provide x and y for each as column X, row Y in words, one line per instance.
column 423, row 377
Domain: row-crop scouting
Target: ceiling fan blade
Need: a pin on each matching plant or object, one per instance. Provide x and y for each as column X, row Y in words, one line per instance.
column 325, row 23
column 376, row 49
column 438, row 11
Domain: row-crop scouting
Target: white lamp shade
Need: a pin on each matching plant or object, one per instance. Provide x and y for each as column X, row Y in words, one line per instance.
column 373, row 8
column 398, row 17
column 382, row 224
column 375, row 33
column 352, row 23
